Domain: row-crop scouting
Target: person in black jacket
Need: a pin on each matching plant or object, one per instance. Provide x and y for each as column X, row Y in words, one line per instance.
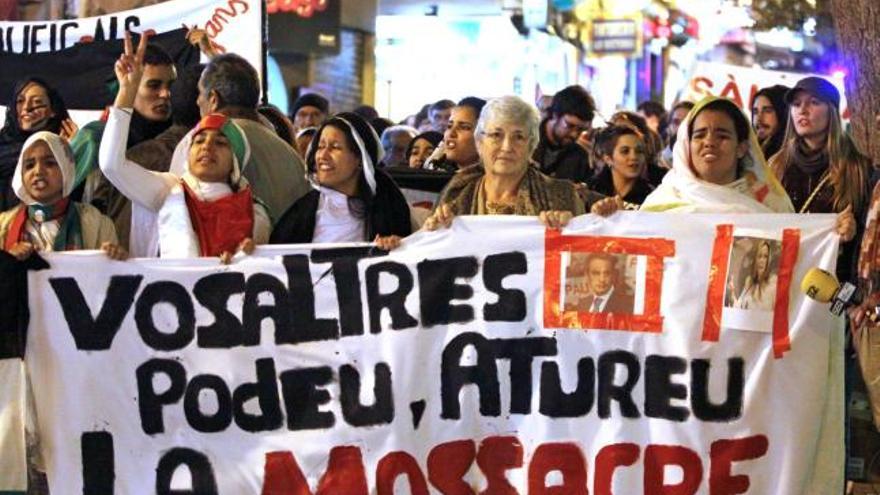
column 352, row 200
column 35, row 106
column 622, row 150
column 558, row 154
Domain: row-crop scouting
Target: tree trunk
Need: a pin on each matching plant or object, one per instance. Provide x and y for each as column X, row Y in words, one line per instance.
column 857, row 23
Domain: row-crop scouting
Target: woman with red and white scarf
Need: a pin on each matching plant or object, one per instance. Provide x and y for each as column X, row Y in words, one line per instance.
column 210, row 209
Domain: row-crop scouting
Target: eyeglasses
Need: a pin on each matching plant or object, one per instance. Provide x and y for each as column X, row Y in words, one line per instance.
column 517, row 138
column 574, row 126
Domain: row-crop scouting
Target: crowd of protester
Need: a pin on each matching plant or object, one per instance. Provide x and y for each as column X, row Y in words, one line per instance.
column 185, row 165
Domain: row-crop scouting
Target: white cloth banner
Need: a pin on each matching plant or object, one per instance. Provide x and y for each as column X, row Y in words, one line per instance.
column 468, row 360
column 234, row 26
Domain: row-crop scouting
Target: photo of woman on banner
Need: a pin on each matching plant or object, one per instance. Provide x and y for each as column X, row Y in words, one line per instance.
column 503, row 182
column 34, row 106
column 754, row 274
column 208, row 211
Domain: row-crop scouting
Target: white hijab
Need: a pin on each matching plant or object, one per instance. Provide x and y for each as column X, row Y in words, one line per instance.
column 63, row 155
column 756, row 191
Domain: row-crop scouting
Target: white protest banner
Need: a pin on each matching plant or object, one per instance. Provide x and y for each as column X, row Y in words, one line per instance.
column 741, row 83
column 234, row 26
column 463, row 362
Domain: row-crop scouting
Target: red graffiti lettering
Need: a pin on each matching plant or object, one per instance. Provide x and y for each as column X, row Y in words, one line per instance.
column 568, row 460
column 395, row 464
column 731, row 90
column 702, row 86
column 497, row 455
column 657, row 457
column 724, row 453
column 608, row 460
column 344, row 474
column 447, row 465
column 222, row 17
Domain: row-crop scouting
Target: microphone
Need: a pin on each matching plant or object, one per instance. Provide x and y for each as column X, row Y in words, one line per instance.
column 823, row 287
column 436, row 156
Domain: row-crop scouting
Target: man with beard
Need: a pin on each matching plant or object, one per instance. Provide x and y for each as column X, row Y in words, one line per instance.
column 151, row 116
column 676, row 116
column 558, row 154
column 769, row 114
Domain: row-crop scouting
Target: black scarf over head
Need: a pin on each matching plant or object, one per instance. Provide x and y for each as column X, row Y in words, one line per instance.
column 384, row 211
column 12, row 137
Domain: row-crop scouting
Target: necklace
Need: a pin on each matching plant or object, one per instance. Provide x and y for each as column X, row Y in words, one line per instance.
column 497, row 208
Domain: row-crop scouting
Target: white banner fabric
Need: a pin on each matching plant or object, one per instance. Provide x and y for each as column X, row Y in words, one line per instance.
column 494, row 356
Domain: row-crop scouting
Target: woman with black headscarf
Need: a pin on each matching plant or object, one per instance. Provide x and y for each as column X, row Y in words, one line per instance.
column 352, row 200
column 35, row 106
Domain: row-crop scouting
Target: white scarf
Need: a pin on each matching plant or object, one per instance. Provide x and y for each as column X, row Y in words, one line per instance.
column 681, row 190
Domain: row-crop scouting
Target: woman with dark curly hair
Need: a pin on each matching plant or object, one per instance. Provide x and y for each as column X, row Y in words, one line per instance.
column 622, row 151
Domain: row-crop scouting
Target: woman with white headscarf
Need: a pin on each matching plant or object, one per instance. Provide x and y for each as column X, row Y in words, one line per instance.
column 352, row 200
column 208, row 210
column 718, row 167
column 47, row 220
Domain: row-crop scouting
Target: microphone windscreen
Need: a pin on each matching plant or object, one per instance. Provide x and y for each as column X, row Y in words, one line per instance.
column 819, row 285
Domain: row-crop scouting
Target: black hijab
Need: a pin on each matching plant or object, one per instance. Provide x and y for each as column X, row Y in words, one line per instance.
column 382, row 206
column 12, row 137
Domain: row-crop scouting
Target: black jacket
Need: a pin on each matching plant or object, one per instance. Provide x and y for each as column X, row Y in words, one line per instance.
column 561, row 162
column 388, row 214
column 603, row 183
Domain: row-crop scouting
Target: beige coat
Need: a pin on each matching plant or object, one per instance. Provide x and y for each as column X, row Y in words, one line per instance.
column 96, row 228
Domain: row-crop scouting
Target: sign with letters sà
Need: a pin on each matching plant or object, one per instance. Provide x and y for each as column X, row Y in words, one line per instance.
column 637, row 354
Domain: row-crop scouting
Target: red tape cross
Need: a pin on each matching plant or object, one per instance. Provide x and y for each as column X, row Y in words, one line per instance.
column 717, row 283
column 791, row 239
column 654, row 248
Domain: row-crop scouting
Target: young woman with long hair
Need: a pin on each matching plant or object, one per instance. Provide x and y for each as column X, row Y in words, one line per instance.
column 819, row 166
column 759, row 290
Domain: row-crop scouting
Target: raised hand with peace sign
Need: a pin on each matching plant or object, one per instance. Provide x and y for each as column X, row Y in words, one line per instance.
column 129, row 70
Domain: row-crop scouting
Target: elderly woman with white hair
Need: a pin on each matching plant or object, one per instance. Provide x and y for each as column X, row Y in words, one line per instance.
column 395, row 142
column 504, row 183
